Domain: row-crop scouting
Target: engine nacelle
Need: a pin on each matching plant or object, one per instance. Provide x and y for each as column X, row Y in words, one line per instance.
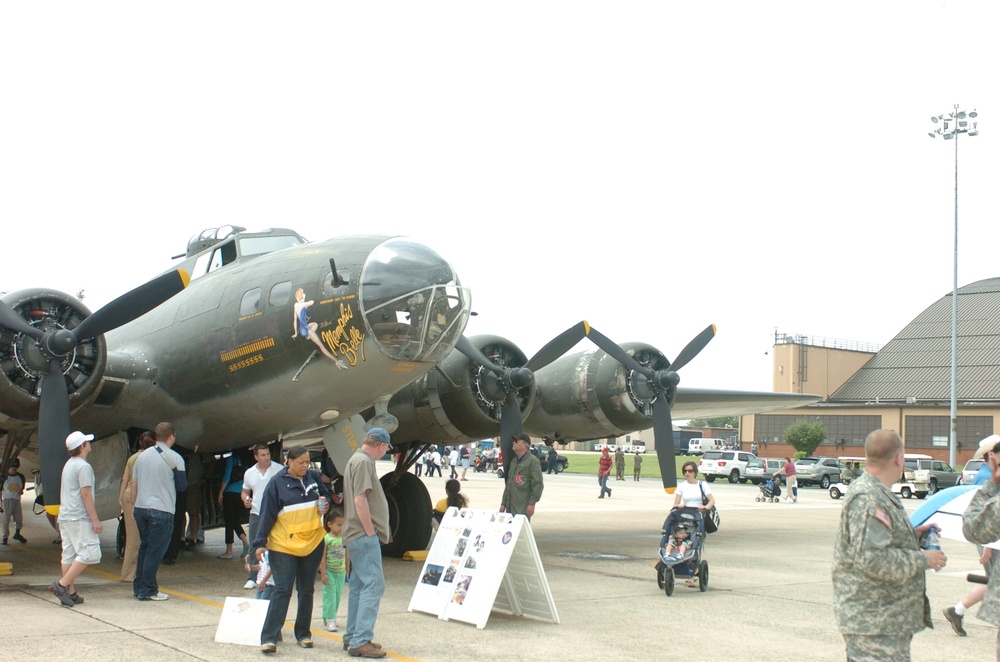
column 590, row 395
column 22, row 362
column 460, row 400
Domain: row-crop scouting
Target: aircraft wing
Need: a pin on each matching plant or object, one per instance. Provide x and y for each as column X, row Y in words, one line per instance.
column 711, row 403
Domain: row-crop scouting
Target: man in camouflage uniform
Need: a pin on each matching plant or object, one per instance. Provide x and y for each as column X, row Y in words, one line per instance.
column 524, row 480
column 879, row 596
column 637, row 465
column 619, row 464
column 981, row 524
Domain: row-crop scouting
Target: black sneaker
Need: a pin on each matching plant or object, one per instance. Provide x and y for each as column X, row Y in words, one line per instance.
column 18, row 537
column 76, row 598
column 956, row 621
column 62, row 593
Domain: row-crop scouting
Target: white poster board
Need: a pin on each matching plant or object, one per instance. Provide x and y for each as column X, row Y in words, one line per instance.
column 483, row 560
column 241, row 621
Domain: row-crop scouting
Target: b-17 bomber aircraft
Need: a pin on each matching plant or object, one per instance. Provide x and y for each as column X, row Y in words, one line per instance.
column 264, row 337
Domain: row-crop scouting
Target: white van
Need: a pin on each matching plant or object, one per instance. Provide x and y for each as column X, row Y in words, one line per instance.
column 699, row 445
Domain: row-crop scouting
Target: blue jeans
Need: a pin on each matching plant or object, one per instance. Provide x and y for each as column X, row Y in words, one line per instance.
column 155, row 529
column 367, row 587
column 603, row 482
column 287, row 570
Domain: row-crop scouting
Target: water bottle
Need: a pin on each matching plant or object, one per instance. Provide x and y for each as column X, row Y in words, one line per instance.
column 931, row 540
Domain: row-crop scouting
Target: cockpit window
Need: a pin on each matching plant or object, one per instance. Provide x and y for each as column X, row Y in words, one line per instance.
column 413, row 301
column 261, row 245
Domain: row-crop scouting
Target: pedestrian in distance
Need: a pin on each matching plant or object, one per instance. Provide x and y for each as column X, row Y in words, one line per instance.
column 603, row 471
column 13, row 490
column 637, row 465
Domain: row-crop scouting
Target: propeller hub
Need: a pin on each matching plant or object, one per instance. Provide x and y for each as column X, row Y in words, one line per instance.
column 521, row 378
column 59, row 343
column 667, row 379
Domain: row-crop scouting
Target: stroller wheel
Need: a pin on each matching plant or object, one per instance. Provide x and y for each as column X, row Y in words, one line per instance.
column 660, row 572
column 703, row 576
column 668, row 581
column 757, row 499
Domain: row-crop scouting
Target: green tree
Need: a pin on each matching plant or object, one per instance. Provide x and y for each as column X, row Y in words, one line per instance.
column 720, row 422
column 805, row 436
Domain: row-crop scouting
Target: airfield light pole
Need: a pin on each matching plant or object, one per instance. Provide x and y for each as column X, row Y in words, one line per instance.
column 952, row 125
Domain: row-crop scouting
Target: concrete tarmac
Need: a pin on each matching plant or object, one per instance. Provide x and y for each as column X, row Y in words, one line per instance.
column 769, row 595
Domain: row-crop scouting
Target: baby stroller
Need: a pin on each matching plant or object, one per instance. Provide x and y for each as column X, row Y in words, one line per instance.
column 688, row 566
column 770, row 490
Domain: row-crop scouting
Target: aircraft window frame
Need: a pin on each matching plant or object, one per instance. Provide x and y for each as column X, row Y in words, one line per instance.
column 261, row 245
column 279, row 297
column 200, row 266
column 222, row 255
column 250, row 305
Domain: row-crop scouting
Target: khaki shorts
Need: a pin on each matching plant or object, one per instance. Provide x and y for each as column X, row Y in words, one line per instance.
column 193, row 498
column 79, row 542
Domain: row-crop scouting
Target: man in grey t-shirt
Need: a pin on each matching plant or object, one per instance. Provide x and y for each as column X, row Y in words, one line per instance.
column 78, row 522
column 155, row 499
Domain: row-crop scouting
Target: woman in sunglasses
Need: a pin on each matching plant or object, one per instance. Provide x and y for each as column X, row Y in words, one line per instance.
column 692, row 493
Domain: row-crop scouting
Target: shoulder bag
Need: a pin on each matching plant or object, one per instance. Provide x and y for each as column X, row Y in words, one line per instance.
column 711, row 515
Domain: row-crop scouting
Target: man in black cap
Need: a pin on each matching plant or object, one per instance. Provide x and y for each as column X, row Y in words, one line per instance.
column 524, row 480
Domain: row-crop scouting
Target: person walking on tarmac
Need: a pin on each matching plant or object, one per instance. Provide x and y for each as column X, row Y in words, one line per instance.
column 524, row 480
column 619, row 464
column 603, row 471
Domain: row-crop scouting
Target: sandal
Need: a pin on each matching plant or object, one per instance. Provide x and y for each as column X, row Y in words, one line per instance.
column 225, row 557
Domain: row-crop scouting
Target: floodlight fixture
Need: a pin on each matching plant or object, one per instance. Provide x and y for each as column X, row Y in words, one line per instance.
column 958, row 125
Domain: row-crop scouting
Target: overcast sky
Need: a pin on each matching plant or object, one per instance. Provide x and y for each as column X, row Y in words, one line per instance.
column 652, row 167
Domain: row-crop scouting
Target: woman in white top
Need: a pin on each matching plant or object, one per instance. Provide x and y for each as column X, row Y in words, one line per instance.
column 689, row 493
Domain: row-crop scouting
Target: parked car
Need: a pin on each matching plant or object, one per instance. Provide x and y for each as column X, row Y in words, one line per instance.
column 541, row 451
column 820, row 471
column 941, row 473
column 729, row 464
column 760, row 469
column 970, row 471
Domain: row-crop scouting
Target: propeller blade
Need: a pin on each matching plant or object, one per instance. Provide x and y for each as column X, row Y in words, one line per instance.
column 612, row 349
column 53, row 428
column 132, row 305
column 14, row 322
column 663, row 435
column 510, row 425
column 558, row 346
column 692, row 349
column 472, row 352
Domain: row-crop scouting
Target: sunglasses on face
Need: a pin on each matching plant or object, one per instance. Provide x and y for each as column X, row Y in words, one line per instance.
column 689, row 471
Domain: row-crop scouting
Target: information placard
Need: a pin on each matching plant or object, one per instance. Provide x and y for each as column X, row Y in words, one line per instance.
column 483, row 560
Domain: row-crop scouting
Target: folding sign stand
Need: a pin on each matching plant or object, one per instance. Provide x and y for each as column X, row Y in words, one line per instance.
column 483, row 560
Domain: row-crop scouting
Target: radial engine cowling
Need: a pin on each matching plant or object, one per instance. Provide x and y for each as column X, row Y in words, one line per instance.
column 460, row 400
column 590, row 395
column 23, row 363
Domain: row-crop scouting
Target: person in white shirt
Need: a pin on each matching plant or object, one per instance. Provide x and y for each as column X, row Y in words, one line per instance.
column 255, row 480
column 691, row 493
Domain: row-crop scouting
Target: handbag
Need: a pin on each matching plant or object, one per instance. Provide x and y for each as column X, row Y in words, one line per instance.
column 711, row 515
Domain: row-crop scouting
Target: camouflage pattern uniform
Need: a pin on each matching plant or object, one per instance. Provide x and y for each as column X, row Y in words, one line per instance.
column 981, row 524
column 619, row 464
column 524, row 484
column 879, row 596
column 637, row 466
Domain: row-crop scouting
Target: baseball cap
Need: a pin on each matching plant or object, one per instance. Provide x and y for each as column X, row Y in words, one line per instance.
column 521, row 437
column 77, row 439
column 379, row 435
column 986, row 445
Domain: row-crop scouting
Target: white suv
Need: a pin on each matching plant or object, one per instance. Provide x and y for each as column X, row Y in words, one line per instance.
column 728, row 464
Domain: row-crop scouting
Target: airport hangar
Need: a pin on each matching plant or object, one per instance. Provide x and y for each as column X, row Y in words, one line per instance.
column 903, row 386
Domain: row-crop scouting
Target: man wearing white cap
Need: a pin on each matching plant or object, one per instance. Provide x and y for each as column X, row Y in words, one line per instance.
column 78, row 522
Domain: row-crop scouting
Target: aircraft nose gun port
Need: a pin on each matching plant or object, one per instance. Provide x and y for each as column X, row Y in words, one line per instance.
column 412, row 301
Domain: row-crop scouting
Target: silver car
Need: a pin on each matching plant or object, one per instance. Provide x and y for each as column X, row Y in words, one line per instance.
column 820, row 471
column 761, row 469
column 970, row 471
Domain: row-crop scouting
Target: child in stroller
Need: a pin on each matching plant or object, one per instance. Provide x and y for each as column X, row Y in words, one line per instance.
column 681, row 549
column 770, row 490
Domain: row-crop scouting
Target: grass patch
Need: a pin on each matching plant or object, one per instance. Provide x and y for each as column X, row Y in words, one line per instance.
column 587, row 464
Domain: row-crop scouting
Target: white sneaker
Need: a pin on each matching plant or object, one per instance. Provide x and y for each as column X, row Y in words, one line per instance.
column 250, row 584
column 159, row 597
column 331, row 625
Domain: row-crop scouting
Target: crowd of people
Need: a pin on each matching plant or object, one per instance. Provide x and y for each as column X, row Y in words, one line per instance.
column 301, row 531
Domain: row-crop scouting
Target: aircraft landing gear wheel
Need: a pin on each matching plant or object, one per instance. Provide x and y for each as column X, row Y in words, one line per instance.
column 668, row 581
column 120, row 537
column 703, row 576
column 409, row 513
column 905, row 493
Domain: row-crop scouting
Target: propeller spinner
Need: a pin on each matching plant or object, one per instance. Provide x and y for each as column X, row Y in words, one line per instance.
column 56, row 342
